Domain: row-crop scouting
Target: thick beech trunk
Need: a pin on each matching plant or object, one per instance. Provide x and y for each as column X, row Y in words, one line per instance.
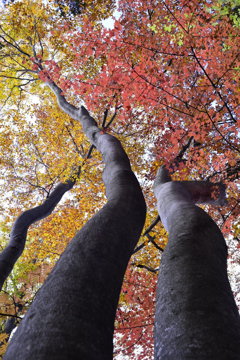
column 74, row 311
column 196, row 316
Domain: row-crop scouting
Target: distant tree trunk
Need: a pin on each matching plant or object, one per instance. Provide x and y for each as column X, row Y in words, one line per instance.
column 74, row 311
column 196, row 315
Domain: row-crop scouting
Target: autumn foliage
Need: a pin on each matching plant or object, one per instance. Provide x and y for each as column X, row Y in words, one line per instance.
column 163, row 79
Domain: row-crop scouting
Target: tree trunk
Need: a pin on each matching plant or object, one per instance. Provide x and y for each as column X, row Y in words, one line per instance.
column 16, row 245
column 74, row 311
column 196, row 315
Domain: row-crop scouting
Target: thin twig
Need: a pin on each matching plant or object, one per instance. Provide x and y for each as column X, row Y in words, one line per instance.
column 146, row 267
column 213, row 85
column 10, row 315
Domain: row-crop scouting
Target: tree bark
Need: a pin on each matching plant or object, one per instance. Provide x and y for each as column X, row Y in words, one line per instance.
column 15, row 247
column 196, row 315
column 74, row 311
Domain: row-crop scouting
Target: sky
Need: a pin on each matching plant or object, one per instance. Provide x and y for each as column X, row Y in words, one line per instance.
column 109, row 23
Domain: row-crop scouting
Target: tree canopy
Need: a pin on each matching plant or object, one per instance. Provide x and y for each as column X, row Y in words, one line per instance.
column 163, row 79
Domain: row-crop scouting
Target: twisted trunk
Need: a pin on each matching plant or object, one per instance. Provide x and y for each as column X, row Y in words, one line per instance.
column 74, row 311
column 15, row 247
column 196, row 315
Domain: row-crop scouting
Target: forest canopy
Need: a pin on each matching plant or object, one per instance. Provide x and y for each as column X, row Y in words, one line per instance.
column 163, row 78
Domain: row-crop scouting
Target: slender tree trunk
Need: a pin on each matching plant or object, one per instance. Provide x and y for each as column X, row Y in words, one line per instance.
column 74, row 311
column 16, row 245
column 196, row 315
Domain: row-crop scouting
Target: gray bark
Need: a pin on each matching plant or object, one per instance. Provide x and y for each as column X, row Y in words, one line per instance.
column 196, row 315
column 15, row 247
column 74, row 311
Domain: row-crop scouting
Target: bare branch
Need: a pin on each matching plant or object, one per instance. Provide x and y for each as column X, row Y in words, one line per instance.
column 146, row 267
column 214, row 86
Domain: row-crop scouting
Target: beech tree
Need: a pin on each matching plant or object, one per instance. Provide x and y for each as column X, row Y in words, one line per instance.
column 153, row 82
column 88, row 277
column 196, row 315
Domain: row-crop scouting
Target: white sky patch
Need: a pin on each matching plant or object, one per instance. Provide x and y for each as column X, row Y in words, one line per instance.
column 109, row 22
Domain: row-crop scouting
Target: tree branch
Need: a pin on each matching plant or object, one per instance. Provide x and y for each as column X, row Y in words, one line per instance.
column 68, row 108
column 146, row 267
column 214, row 86
column 146, row 232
